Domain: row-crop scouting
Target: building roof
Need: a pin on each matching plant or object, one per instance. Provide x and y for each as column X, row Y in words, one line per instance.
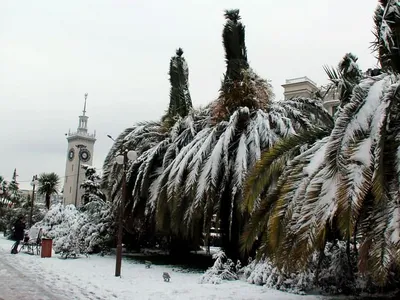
column 299, row 80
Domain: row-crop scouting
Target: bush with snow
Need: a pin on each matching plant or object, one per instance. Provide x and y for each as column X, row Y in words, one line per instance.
column 88, row 229
column 335, row 276
column 223, row 269
column 79, row 231
column 263, row 272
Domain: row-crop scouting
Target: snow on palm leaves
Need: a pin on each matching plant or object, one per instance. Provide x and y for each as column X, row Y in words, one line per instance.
column 196, row 169
column 156, row 147
column 152, row 139
column 219, row 157
column 386, row 31
column 181, row 174
column 140, row 137
column 341, row 181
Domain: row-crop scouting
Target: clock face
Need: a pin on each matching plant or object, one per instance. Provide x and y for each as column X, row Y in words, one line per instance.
column 84, row 155
column 71, row 154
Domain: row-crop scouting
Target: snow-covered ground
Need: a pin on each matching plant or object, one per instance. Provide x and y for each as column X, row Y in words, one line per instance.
column 93, row 278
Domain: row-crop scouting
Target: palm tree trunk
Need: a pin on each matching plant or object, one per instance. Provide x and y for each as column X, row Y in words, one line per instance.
column 48, row 201
column 348, row 253
column 230, row 233
column 320, row 259
column 355, row 239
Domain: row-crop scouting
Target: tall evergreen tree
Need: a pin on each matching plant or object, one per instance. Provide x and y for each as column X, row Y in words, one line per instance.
column 14, row 194
column 91, row 186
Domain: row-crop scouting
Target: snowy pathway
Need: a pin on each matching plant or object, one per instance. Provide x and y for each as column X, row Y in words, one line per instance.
column 16, row 285
column 92, row 279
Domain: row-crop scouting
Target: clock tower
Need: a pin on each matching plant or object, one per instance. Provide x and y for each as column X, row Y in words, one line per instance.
column 79, row 151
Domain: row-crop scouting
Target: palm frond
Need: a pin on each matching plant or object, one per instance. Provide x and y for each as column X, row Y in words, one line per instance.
column 266, row 169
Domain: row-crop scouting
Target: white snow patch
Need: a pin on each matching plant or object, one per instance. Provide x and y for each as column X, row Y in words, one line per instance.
column 316, row 161
column 93, row 278
column 362, row 118
column 363, row 153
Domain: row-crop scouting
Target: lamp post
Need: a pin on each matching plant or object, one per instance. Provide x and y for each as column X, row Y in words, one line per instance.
column 34, row 183
column 122, row 159
column 80, row 147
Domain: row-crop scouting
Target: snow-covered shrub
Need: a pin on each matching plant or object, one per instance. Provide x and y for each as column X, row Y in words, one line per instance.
column 263, row 272
column 88, row 229
column 97, row 226
column 223, row 269
column 58, row 223
column 335, row 276
column 78, row 231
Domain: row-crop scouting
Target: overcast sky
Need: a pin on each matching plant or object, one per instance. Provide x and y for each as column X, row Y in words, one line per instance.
column 118, row 51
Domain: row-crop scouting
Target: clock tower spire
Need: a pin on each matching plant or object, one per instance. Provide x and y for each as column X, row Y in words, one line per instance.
column 82, row 127
column 80, row 151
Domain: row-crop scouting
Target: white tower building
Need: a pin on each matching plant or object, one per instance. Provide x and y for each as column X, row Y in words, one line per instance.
column 80, row 151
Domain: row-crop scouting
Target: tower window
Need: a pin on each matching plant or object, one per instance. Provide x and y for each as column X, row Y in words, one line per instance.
column 70, row 189
column 72, row 167
column 66, row 178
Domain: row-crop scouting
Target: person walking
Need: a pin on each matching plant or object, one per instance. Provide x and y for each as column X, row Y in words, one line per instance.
column 19, row 228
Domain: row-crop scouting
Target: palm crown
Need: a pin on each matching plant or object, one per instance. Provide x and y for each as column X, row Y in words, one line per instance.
column 48, row 185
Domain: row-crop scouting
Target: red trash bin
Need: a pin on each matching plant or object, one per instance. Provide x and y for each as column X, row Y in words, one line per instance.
column 47, row 246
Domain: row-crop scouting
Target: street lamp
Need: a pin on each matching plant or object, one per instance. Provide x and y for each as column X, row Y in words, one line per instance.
column 122, row 159
column 34, row 183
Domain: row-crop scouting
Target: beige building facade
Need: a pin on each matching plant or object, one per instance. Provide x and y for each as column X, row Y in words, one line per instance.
column 305, row 87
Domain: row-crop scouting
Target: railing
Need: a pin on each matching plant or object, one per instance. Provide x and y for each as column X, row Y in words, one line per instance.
column 83, row 134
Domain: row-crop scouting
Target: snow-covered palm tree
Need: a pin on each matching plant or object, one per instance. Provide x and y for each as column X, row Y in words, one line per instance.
column 387, row 34
column 274, row 160
column 180, row 103
column 344, row 77
column 48, row 185
column 345, row 186
column 157, row 143
column 186, row 174
column 207, row 175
